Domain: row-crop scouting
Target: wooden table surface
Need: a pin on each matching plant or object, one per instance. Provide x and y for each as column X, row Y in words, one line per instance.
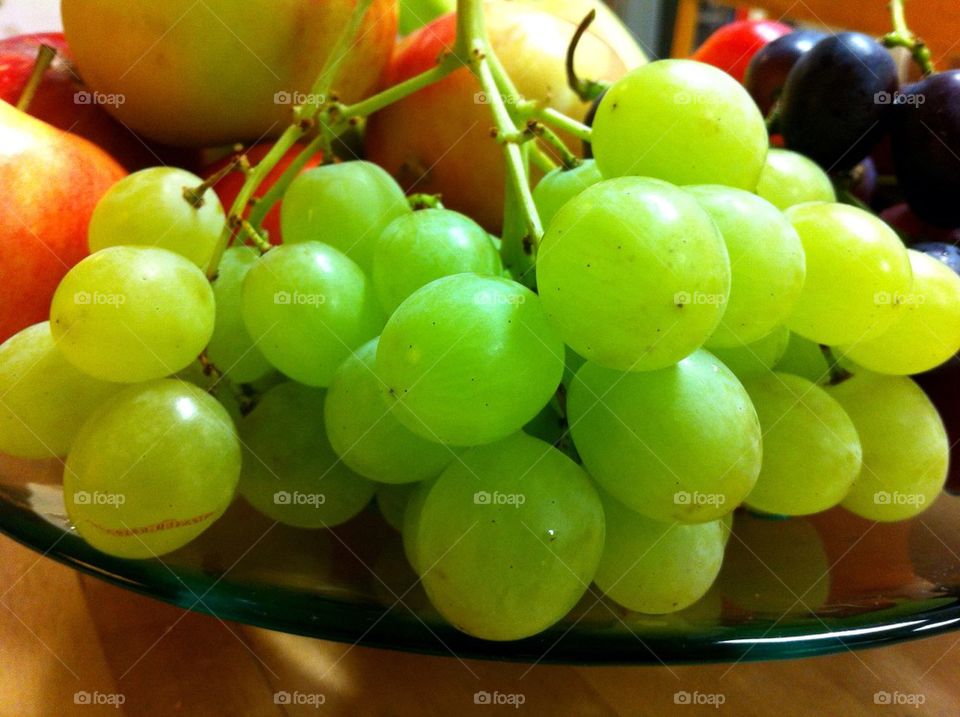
column 64, row 635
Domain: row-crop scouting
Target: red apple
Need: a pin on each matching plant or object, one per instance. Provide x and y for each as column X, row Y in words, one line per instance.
column 51, row 181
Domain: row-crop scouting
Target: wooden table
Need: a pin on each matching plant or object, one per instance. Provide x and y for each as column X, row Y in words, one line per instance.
column 62, row 634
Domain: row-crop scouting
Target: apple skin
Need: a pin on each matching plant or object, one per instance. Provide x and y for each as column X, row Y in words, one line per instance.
column 51, row 180
column 55, row 102
column 438, row 140
column 215, row 72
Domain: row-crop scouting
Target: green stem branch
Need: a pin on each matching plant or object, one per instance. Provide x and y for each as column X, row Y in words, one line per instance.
column 903, row 37
column 560, row 121
column 45, row 56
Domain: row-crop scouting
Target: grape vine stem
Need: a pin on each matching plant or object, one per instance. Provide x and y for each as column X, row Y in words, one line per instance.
column 903, row 37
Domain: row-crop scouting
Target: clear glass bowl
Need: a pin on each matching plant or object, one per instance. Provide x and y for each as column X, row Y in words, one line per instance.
column 789, row 588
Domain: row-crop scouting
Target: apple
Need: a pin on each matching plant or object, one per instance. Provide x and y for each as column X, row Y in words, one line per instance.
column 51, row 180
column 62, row 101
column 196, row 74
column 438, row 139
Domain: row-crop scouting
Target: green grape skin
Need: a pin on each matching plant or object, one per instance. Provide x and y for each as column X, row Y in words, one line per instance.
column 44, row 399
column 906, row 451
column 561, row 185
column 857, row 267
column 367, row 436
column 679, row 444
column 469, row 359
column 811, row 450
column 757, row 357
column 927, row 333
column 129, row 314
column 681, row 121
column 291, row 473
column 657, row 568
column 231, row 349
column 767, row 263
column 805, row 358
column 417, row 248
column 149, row 208
column 392, row 502
column 323, row 204
column 410, row 529
column 307, row 306
column 634, row 274
column 509, row 538
column 789, row 179
column 151, row 469
column 414, row 14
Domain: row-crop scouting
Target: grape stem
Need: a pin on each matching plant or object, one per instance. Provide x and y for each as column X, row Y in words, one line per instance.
column 45, row 56
column 560, row 121
column 903, row 37
column 587, row 90
column 838, row 374
column 424, row 201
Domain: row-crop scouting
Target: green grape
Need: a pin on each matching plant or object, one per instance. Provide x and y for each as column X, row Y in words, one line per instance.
column 927, row 333
column 131, row 314
column 766, row 262
column 509, row 538
column 681, row 121
column 345, row 205
column 726, row 522
column 811, row 451
column 392, row 501
column 679, row 444
column 150, row 208
column 151, row 469
column 417, row 248
column 655, row 567
column 414, row 14
column 572, row 363
column 804, row 358
column 291, row 473
column 757, row 357
column 634, row 274
column 367, row 436
column 410, row 529
column 307, row 306
column 561, row 185
column 469, row 359
column 44, row 399
column 789, row 178
column 231, row 349
column 905, row 447
column 857, row 269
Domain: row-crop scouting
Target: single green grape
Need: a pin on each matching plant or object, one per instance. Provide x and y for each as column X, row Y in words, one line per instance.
column 561, row 185
column 679, row 444
column 682, row 121
column 927, row 332
column 231, row 349
column 789, row 178
column 132, row 313
column 414, row 249
column 811, row 450
column 634, row 274
column 655, row 567
column 857, row 272
column 411, row 523
column 345, row 205
column 44, row 399
column 757, row 357
column 365, row 433
column 804, row 358
column 767, row 263
column 149, row 208
column 392, row 501
column 905, row 447
column 469, row 359
column 291, row 473
column 509, row 538
column 151, row 469
column 307, row 306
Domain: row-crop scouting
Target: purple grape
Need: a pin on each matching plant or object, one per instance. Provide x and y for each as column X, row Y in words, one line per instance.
column 768, row 70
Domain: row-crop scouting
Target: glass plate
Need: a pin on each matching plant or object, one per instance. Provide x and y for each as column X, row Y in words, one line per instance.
column 789, row 588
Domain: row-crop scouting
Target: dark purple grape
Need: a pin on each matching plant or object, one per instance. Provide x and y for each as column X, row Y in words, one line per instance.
column 926, row 147
column 949, row 254
column 864, row 181
column 768, row 70
column 588, row 120
column 836, row 102
column 913, row 229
